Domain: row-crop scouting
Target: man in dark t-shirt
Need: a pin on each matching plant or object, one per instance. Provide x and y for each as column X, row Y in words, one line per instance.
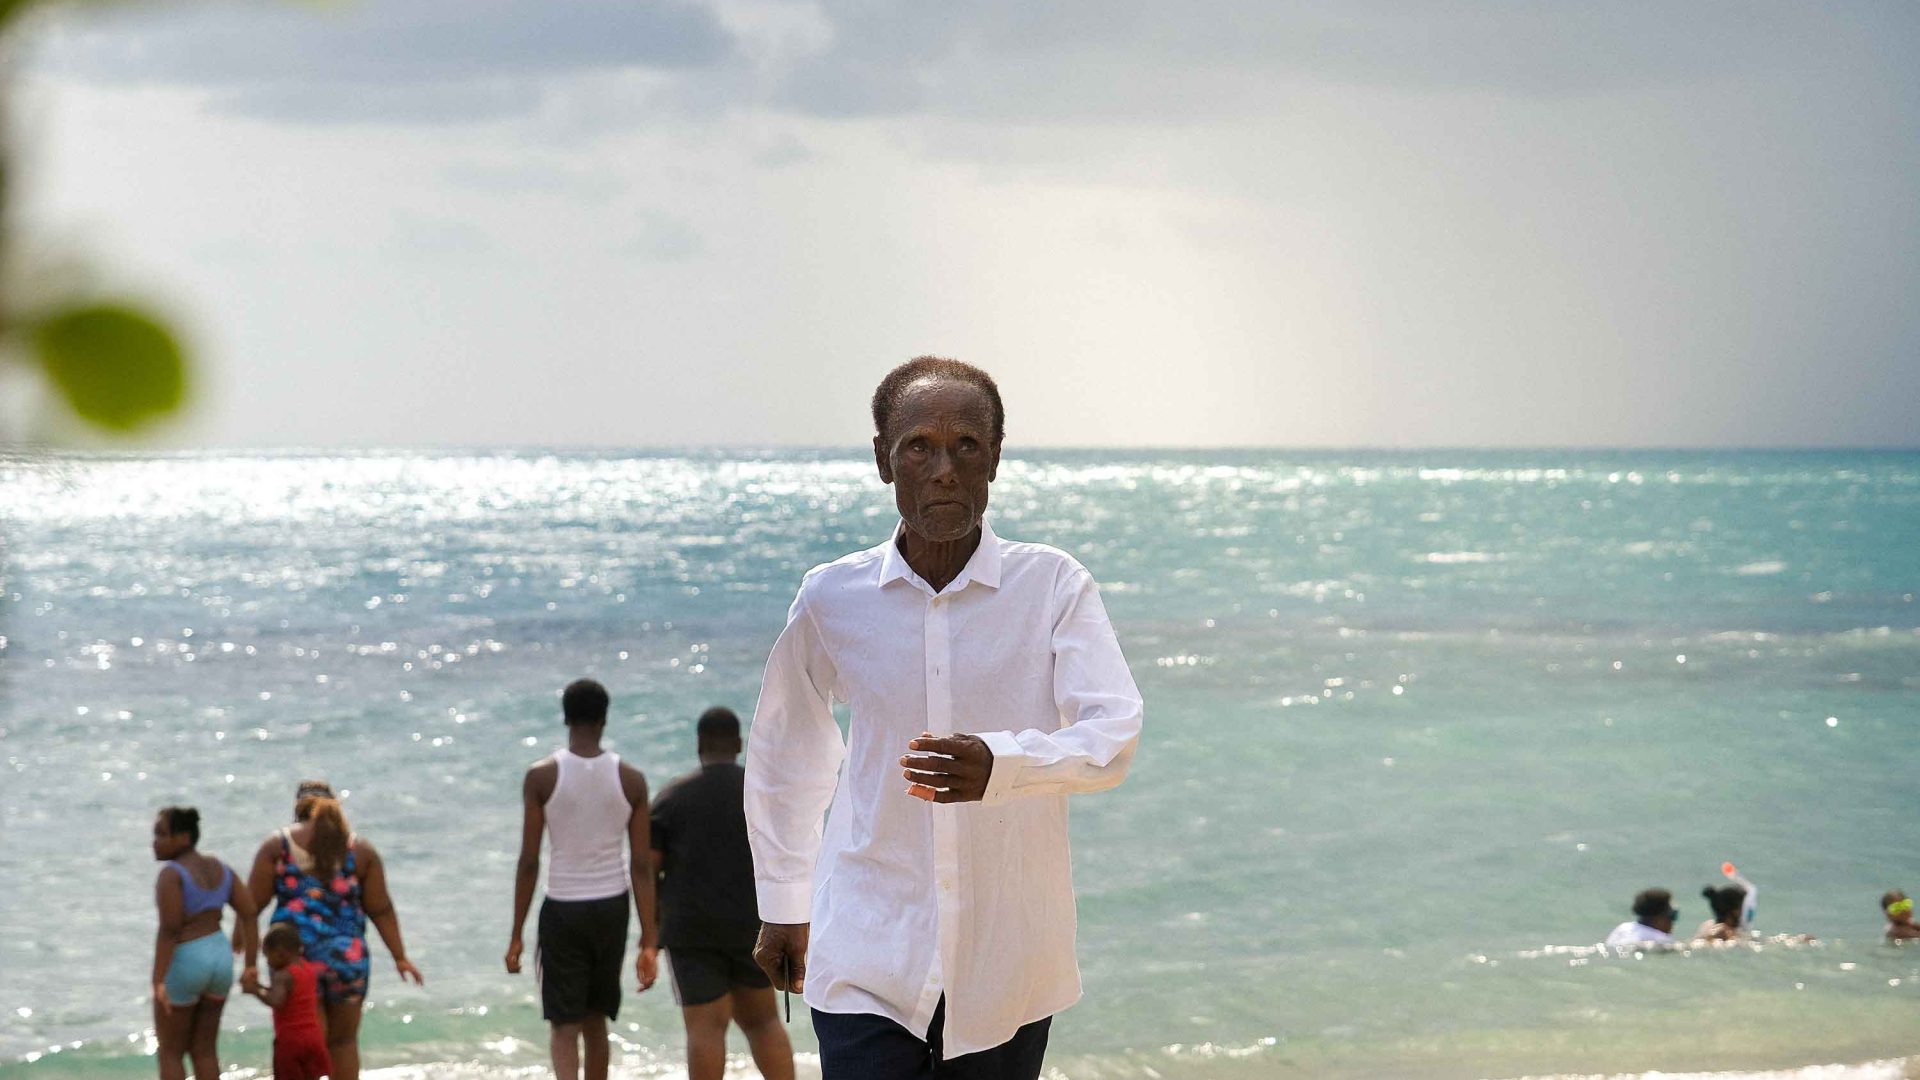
column 708, row 917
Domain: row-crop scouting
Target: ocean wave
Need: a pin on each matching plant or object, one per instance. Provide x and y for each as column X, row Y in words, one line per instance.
column 1447, row 558
column 1888, row 1069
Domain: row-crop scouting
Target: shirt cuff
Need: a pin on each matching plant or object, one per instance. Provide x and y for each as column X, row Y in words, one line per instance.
column 784, row 901
column 1008, row 760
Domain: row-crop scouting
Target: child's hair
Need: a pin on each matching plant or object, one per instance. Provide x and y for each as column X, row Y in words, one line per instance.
column 329, row 841
column 1892, row 897
column 282, row 935
column 182, row 819
column 1726, row 902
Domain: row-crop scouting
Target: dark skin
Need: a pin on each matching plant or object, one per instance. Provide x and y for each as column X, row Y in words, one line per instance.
column 535, row 790
column 567, row 1041
column 274, row 994
column 343, row 1017
column 940, row 455
column 1901, row 927
column 751, row 1008
column 191, row 1029
column 1727, row 929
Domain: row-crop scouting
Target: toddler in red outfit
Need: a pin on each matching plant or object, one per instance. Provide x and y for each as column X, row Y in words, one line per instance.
column 299, row 1027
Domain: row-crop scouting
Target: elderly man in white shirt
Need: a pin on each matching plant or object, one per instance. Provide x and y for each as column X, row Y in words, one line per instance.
column 931, row 927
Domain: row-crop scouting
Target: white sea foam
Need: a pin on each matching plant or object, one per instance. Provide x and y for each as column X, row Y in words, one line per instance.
column 1888, row 1069
column 1450, row 557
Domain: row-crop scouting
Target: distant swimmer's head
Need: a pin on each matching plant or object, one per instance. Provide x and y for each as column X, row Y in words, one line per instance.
column 719, row 733
column 176, row 831
column 938, row 425
column 584, row 702
column 282, row 945
column 1727, row 901
column 1654, row 907
column 1899, row 909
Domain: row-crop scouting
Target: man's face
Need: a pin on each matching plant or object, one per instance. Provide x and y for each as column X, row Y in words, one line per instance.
column 940, row 455
column 1664, row 923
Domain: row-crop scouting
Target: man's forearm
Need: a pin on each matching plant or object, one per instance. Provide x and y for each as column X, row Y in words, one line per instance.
column 644, row 897
column 523, row 885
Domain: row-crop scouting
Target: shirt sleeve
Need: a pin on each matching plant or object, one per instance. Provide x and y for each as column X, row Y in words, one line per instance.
column 1100, row 709
column 794, row 751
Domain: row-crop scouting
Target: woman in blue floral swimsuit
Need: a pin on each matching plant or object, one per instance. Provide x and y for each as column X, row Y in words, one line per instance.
column 328, row 882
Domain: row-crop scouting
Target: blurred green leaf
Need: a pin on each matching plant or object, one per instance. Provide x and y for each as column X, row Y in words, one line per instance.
column 117, row 367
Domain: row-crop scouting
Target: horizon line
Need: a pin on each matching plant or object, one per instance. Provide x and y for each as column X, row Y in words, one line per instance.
column 18, row 451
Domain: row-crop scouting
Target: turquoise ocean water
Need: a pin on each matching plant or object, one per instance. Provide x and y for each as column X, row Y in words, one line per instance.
column 1418, row 726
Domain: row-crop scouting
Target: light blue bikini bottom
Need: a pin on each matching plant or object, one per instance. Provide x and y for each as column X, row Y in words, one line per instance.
column 202, row 967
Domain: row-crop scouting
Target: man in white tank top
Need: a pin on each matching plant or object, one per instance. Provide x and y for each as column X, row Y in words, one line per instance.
column 586, row 801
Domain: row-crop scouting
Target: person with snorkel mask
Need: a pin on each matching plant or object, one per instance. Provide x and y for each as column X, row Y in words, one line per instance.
column 1899, row 912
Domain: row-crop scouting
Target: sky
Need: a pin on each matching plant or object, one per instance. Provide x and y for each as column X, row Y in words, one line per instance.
column 1362, row 223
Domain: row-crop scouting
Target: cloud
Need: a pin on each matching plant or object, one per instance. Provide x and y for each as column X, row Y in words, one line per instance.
column 439, row 61
column 782, row 151
column 393, row 61
column 528, row 175
column 433, row 236
column 384, row 103
column 1237, row 222
column 1147, row 60
column 661, row 237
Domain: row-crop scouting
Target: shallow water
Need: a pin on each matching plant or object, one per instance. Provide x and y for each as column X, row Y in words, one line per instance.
column 1413, row 719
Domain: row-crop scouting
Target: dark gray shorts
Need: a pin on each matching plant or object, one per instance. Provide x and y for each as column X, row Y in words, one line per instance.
column 703, row 975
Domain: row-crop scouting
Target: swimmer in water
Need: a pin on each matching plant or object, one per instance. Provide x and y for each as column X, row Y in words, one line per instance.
column 1899, row 912
column 1727, row 902
column 1652, row 923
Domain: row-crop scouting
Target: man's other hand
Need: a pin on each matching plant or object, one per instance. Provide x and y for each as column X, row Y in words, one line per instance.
column 781, row 952
column 949, row 769
column 646, row 967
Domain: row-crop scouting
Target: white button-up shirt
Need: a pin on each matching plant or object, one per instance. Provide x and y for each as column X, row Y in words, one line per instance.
column 910, row 900
column 1629, row 934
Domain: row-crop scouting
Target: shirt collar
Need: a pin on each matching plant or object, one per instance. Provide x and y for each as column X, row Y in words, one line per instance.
column 983, row 567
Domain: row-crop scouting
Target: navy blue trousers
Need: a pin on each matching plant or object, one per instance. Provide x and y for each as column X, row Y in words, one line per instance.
column 861, row 1046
